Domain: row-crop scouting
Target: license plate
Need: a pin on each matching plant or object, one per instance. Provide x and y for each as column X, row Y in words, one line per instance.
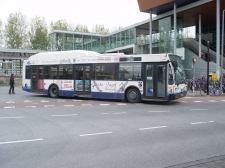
column 182, row 95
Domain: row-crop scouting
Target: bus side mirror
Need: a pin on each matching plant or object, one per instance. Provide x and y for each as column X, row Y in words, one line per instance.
column 175, row 65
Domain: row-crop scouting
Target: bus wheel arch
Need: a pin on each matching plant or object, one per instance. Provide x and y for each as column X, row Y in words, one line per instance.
column 132, row 95
column 53, row 91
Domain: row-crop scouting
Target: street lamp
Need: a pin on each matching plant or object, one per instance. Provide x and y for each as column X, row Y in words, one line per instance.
column 221, row 59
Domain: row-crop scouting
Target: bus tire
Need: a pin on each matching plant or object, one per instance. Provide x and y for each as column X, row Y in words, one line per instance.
column 133, row 95
column 53, row 91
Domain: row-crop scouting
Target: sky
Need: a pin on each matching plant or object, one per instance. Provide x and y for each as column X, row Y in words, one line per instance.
column 110, row 13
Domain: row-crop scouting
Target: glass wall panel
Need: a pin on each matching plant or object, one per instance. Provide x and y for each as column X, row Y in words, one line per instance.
column 77, row 43
column 60, row 43
column 113, row 41
column 95, row 43
column 118, row 39
column 52, row 45
column 165, row 42
column 87, row 42
column 123, row 38
column 132, row 36
column 107, row 43
column 127, row 37
column 68, row 41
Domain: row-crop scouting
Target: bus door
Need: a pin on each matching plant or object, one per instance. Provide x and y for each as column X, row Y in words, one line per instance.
column 37, row 79
column 82, row 83
column 155, row 83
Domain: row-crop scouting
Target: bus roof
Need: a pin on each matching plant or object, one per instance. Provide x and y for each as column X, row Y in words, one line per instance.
column 82, row 56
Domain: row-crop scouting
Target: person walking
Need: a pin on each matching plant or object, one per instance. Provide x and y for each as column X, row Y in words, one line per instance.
column 11, row 82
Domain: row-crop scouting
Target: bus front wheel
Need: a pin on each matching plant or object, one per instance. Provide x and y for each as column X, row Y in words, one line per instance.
column 53, row 91
column 133, row 95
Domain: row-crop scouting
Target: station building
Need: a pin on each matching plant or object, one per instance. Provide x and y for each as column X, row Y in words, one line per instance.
column 198, row 31
column 198, row 25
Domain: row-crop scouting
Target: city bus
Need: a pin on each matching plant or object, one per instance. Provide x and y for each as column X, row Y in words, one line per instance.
column 131, row 78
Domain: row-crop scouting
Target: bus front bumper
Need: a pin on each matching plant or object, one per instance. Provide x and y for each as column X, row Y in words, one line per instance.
column 177, row 95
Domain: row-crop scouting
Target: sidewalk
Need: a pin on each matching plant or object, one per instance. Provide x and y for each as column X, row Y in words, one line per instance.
column 197, row 94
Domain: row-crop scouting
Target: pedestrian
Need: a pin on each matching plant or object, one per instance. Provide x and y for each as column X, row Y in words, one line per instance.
column 11, row 82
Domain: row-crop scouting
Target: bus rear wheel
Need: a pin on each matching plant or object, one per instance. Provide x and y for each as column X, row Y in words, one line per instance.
column 53, row 91
column 133, row 95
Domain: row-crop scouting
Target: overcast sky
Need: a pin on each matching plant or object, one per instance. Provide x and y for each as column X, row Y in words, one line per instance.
column 110, row 13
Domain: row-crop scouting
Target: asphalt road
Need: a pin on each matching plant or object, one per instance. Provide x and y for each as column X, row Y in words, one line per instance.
column 37, row 131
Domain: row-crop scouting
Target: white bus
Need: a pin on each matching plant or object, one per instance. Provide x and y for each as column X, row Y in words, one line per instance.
column 78, row 73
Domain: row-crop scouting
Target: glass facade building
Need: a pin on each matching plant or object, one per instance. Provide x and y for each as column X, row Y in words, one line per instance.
column 135, row 36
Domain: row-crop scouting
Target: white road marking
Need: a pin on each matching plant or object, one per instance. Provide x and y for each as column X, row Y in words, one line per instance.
column 86, row 105
column 10, row 107
column 10, row 101
column 44, row 101
column 31, row 140
column 120, row 113
column 121, row 104
column 11, row 117
column 49, row 105
column 202, row 122
column 27, row 101
column 68, row 105
column 152, row 128
column 212, row 100
column 158, row 111
column 65, row 115
column 198, row 109
column 104, row 104
column 30, row 106
column 59, row 100
column 101, row 133
column 197, row 101
column 222, row 100
column 183, row 101
column 105, row 113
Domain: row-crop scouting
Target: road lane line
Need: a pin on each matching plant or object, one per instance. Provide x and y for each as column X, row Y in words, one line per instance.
column 198, row 109
column 120, row 113
column 104, row 104
column 43, row 101
column 10, row 107
column 49, row 105
column 31, row 140
column 68, row 105
column 152, row 128
column 121, row 104
column 86, row 105
column 10, row 101
column 158, row 111
column 30, row 106
column 203, row 122
column 101, row 133
column 27, row 101
column 11, row 117
column 65, row 115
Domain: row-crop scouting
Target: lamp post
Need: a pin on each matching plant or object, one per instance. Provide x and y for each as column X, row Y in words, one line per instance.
column 221, row 59
column 208, row 67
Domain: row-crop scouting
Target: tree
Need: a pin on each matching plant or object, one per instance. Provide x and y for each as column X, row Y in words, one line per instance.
column 15, row 32
column 38, row 34
column 115, row 28
column 81, row 28
column 100, row 29
column 61, row 25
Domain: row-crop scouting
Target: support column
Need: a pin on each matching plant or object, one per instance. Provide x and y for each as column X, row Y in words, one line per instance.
column 200, row 35
column 217, row 39
column 150, row 32
column 175, row 29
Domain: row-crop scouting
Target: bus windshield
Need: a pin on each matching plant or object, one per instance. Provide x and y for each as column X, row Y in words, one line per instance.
column 180, row 76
